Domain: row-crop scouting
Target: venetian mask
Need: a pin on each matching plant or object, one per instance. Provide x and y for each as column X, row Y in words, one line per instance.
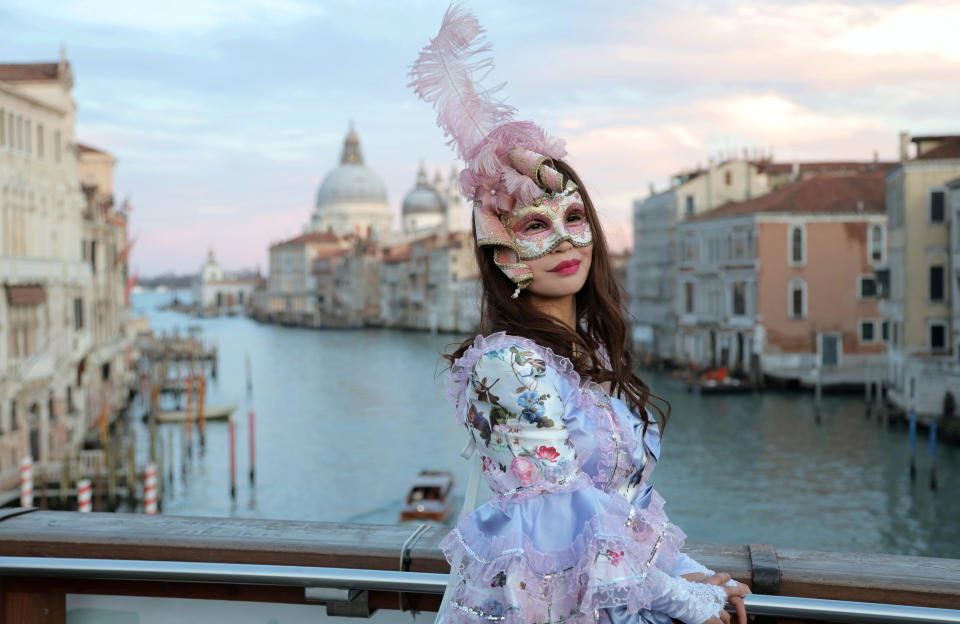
column 538, row 228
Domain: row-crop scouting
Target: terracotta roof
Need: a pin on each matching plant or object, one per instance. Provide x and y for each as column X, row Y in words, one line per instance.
column 331, row 253
column 817, row 194
column 311, row 237
column 22, row 72
column 948, row 148
column 82, row 147
column 823, row 167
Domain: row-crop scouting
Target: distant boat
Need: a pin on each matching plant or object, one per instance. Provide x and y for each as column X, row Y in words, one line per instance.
column 429, row 496
column 161, row 289
column 222, row 412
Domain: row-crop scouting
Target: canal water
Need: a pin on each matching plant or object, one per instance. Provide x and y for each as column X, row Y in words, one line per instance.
column 345, row 420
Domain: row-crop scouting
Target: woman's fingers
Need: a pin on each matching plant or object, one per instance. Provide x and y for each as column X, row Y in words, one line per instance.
column 737, row 602
column 719, row 578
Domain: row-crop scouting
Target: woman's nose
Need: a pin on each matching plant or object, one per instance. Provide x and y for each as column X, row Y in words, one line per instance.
column 565, row 245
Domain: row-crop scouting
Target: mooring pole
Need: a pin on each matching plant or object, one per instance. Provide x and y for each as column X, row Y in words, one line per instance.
column 250, row 421
column 933, row 453
column 817, row 394
column 233, row 461
column 912, row 415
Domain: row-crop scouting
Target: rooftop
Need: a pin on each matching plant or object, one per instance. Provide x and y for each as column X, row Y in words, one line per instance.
column 29, row 72
column 824, row 194
column 311, row 237
column 948, row 147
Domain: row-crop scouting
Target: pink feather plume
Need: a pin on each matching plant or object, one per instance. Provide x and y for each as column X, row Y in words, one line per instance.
column 448, row 74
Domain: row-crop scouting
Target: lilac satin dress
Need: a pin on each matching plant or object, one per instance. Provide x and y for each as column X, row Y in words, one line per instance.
column 572, row 532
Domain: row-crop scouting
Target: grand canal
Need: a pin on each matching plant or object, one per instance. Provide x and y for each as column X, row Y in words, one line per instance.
column 345, row 419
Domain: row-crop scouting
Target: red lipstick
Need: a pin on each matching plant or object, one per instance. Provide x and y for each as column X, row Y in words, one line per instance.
column 567, row 267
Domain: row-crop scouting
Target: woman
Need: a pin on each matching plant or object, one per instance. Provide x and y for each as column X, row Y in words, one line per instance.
column 572, row 532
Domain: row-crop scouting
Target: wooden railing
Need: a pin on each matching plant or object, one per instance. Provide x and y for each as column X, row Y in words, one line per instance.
column 889, row 579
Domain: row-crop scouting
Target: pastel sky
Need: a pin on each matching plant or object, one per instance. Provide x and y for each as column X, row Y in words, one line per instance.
column 225, row 115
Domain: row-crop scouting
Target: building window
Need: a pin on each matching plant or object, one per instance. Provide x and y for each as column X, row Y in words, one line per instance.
column 3, row 127
column 19, row 133
column 885, row 331
column 896, row 333
column 797, row 303
column 936, row 283
column 868, row 331
column 798, row 251
column 29, row 133
column 938, row 335
column 866, row 287
column 93, row 256
column 14, row 425
column 11, row 135
column 876, row 244
column 688, row 297
column 739, row 293
column 728, row 178
column 689, row 208
column 39, row 140
column 78, row 313
column 937, row 206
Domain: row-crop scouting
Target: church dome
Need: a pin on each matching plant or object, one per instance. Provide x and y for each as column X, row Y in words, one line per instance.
column 423, row 198
column 352, row 181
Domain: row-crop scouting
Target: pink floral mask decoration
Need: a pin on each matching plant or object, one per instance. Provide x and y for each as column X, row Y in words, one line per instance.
column 510, row 172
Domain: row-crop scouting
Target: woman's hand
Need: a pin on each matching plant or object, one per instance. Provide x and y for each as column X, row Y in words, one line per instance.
column 735, row 593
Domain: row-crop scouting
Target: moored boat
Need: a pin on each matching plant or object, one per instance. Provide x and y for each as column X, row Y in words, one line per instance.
column 429, row 497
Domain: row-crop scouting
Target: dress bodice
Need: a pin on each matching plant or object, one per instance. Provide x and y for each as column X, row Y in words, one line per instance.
column 572, row 530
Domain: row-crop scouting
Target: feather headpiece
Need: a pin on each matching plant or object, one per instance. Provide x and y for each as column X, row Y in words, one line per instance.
column 508, row 162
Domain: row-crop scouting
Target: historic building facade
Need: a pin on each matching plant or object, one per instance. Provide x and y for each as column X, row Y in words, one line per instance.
column 216, row 292
column 783, row 284
column 918, row 279
column 64, row 348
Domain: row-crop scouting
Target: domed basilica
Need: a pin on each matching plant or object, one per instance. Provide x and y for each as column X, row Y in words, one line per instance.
column 352, row 198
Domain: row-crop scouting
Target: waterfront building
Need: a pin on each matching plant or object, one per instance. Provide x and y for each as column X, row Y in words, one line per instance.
column 783, row 284
column 453, row 285
column 215, row 292
column 291, row 294
column 917, row 281
column 352, row 198
column 348, row 285
column 652, row 271
column 64, row 348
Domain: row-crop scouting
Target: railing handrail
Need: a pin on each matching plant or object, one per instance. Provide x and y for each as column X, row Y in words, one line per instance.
column 418, row 582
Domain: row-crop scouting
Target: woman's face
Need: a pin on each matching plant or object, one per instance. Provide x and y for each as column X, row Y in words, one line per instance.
column 563, row 270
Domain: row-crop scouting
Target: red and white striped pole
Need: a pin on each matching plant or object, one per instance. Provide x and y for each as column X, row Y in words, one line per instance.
column 150, row 490
column 233, row 461
column 84, row 495
column 26, row 482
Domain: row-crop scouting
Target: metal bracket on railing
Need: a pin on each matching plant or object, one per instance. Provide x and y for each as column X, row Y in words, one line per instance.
column 341, row 602
column 764, row 574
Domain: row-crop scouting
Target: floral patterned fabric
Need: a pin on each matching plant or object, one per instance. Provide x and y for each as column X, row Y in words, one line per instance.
column 572, row 532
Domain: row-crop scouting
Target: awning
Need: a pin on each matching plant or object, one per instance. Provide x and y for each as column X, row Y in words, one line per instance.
column 25, row 295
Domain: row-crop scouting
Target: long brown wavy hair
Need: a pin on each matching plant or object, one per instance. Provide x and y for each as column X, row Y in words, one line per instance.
column 601, row 325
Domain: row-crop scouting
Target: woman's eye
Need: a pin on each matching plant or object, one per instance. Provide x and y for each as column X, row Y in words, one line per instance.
column 575, row 218
column 533, row 226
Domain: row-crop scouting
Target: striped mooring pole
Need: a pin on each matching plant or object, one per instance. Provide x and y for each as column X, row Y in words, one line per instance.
column 26, row 482
column 150, row 489
column 84, row 495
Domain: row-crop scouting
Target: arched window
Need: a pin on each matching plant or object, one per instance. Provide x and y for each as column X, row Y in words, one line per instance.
column 797, row 299
column 798, row 251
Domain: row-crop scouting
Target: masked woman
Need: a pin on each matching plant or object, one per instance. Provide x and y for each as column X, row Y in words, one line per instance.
column 573, row 532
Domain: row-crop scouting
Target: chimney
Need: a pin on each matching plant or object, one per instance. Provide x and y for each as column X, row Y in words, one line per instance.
column 652, row 190
column 795, row 171
column 904, row 146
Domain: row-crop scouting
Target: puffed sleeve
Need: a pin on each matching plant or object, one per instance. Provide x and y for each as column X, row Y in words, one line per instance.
column 550, row 546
